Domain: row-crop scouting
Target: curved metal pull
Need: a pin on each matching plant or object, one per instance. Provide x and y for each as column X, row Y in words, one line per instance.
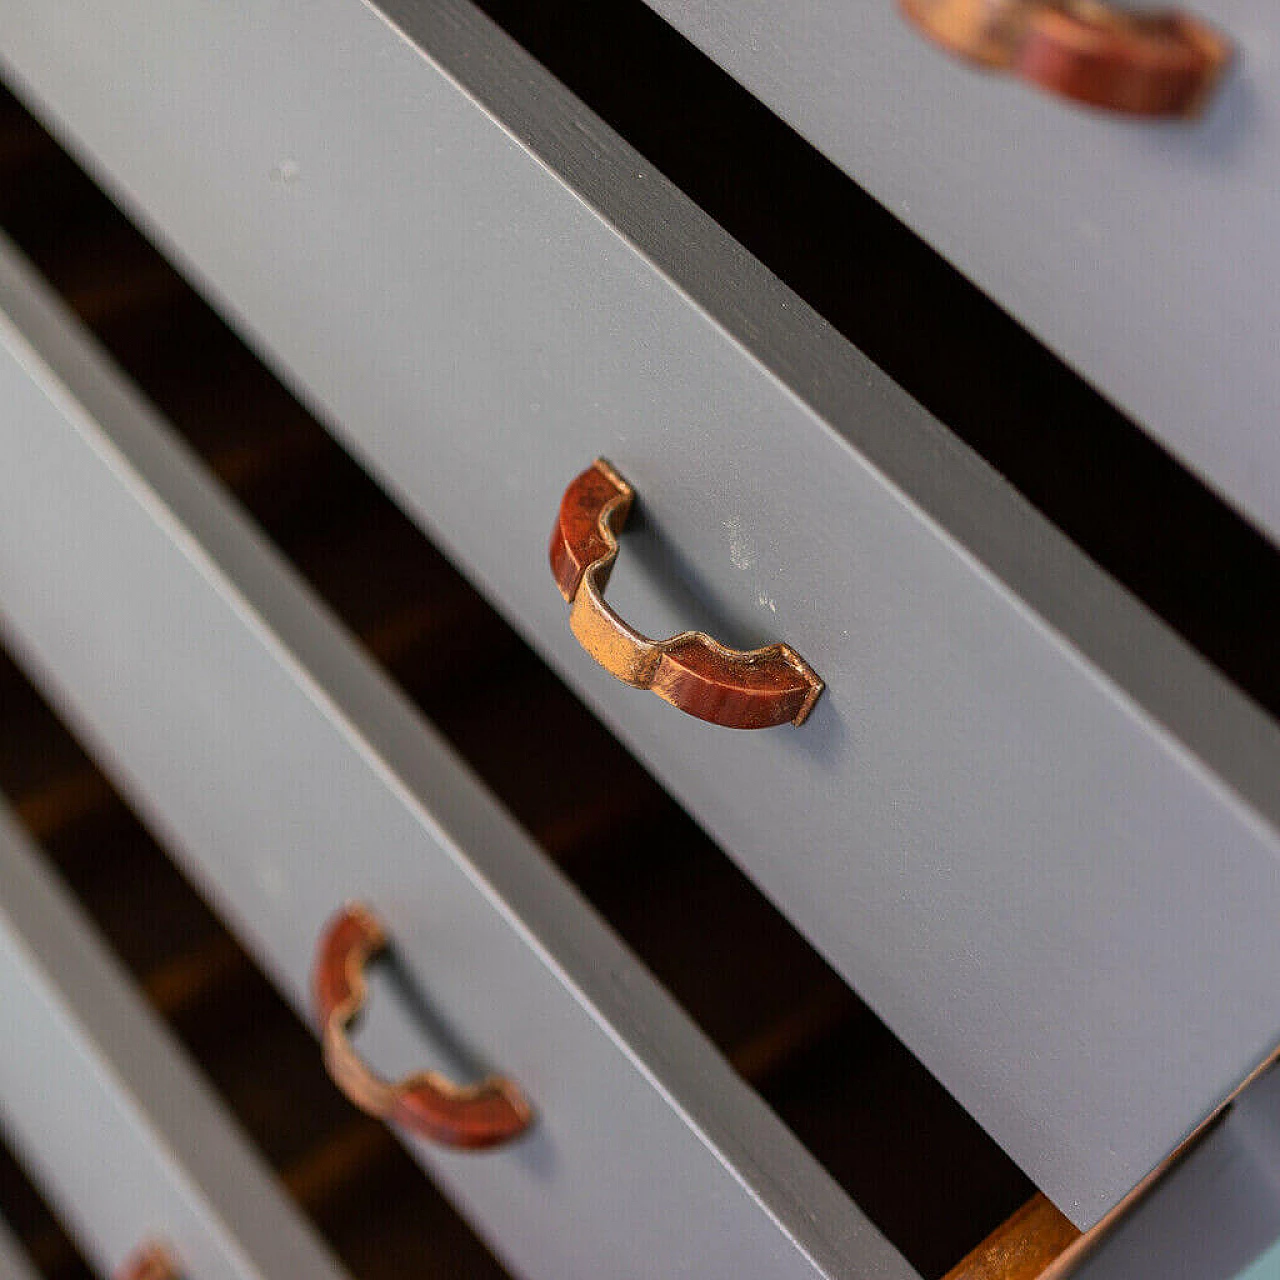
column 468, row 1116
column 691, row 671
column 1138, row 62
column 150, row 1262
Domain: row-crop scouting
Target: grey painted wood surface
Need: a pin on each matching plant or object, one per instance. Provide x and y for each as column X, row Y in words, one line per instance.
column 1217, row 1215
column 289, row 778
column 124, row 1139
column 14, row 1263
column 1144, row 252
column 1034, row 830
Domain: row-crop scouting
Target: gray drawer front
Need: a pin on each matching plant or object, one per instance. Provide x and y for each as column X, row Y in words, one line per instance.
column 124, row 1139
column 289, row 778
column 1017, row 781
column 1143, row 252
column 13, row 1262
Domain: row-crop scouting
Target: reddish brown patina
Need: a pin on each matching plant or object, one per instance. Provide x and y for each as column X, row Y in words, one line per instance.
column 1141, row 63
column 700, row 676
column 466, row 1116
column 579, row 538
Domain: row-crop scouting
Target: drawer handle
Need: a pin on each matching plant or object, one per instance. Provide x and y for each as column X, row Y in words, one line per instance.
column 468, row 1116
column 150, row 1262
column 1139, row 62
column 691, row 671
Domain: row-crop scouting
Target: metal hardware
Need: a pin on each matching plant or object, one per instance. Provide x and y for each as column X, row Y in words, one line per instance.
column 151, row 1262
column 691, row 671
column 467, row 1116
column 1139, row 62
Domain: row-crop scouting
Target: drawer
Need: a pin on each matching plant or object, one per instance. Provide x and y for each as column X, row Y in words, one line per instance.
column 1017, row 777
column 291, row 778
column 1140, row 250
column 91, row 1082
column 13, row 1261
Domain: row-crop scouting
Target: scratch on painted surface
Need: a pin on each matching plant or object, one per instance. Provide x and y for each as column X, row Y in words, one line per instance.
column 739, row 549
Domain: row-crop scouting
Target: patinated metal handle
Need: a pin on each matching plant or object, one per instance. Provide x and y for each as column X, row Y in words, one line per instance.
column 1138, row 62
column 151, row 1262
column 691, row 671
column 468, row 1116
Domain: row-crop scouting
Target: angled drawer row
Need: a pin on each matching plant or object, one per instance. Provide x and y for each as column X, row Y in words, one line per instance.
column 178, row 598
column 1015, row 774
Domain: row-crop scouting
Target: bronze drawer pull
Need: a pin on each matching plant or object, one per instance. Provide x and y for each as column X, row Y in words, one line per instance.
column 150, row 1262
column 691, row 670
column 1139, row 62
column 468, row 1116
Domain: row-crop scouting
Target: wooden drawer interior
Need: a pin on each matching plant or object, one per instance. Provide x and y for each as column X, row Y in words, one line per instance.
column 915, row 1162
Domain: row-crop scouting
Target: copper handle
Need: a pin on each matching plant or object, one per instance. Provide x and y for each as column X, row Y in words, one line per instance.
column 150, row 1262
column 468, row 1116
column 1139, row 62
column 691, row 671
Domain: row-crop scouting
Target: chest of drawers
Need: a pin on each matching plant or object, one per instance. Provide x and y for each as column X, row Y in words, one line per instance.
column 1025, row 820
